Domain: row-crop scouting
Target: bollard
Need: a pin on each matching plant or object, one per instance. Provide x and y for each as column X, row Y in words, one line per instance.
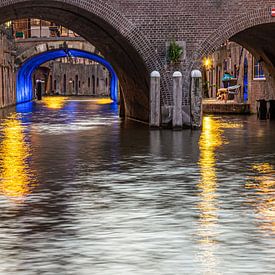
column 177, row 96
column 196, row 99
column 155, row 113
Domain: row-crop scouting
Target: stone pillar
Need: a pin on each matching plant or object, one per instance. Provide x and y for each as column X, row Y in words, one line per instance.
column 177, row 96
column 196, row 99
column 155, row 113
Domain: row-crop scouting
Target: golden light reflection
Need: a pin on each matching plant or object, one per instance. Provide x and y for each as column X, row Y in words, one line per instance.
column 264, row 201
column 211, row 139
column 55, row 102
column 16, row 176
column 103, row 101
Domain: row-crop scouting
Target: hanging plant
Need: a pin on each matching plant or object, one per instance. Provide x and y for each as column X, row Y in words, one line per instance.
column 175, row 52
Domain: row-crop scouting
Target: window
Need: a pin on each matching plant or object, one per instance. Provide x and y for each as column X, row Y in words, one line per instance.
column 225, row 65
column 258, row 71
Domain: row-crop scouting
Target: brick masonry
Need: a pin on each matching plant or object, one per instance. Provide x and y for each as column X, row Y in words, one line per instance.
column 231, row 57
column 79, row 79
column 7, row 74
column 132, row 35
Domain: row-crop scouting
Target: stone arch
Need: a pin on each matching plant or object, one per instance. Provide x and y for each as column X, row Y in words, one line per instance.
column 50, row 46
column 119, row 40
column 230, row 29
column 24, row 89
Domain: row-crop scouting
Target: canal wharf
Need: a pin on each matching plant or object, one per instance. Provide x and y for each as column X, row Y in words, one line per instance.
column 212, row 106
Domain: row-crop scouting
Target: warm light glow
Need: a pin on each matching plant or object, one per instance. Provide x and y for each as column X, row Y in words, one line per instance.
column 211, row 139
column 207, row 62
column 8, row 24
column 103, row 101
column 264, row 201
column 16, row 176
column 54, row 102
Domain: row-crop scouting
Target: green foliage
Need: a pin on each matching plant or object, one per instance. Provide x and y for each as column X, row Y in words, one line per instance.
column 175, row 52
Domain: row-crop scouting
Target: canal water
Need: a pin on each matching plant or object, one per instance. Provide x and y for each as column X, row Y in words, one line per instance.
column 82, row 192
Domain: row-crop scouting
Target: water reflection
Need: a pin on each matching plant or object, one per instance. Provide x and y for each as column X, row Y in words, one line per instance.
column 115, row 198
column 17, row 177
column 103, row 101
column 54, row 102
column 211, row 139
column 264, row 201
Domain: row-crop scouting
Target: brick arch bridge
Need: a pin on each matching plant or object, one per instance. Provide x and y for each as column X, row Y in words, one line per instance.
column 107, row 28
column 38, row 46
column 257, row 23
column 133, row 36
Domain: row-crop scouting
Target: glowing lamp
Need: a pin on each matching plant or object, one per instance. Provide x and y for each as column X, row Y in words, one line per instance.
column 207, row 62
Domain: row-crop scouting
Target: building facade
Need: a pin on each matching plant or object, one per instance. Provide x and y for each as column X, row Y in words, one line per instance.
column 66, row 76
column 37, row 28
column 83, row 77
column 249, row 72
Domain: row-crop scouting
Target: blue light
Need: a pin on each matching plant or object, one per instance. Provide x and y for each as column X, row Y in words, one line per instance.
column 24, row 88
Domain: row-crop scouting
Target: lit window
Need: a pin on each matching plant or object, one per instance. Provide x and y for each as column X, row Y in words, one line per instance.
column 258, row 71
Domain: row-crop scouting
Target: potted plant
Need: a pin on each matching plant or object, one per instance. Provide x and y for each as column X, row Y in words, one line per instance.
column 175, row 52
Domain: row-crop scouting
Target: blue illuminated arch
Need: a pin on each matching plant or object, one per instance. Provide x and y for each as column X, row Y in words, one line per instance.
column 24, row 85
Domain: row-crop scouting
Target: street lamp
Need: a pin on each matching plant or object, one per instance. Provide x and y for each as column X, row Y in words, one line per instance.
column 207, row 63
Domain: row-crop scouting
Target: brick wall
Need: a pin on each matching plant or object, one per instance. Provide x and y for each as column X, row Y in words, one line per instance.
column 132, row 35
column 92, row 79
column 231, row 58
column 7, row 75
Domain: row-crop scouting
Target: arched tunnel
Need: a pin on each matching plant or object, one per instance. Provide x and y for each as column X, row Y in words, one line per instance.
column 125, row 54
column 24, row 89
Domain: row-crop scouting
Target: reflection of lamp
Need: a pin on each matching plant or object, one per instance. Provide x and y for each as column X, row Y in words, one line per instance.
column 70, row 81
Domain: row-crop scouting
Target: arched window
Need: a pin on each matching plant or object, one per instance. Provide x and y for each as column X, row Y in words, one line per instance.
column 258, row 70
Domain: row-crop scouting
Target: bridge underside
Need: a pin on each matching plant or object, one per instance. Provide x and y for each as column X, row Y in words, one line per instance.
column 126, row 60
column 24, row 83
column 260, row 41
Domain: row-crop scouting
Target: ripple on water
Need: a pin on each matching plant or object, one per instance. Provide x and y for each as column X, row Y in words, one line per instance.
column 94, row 195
